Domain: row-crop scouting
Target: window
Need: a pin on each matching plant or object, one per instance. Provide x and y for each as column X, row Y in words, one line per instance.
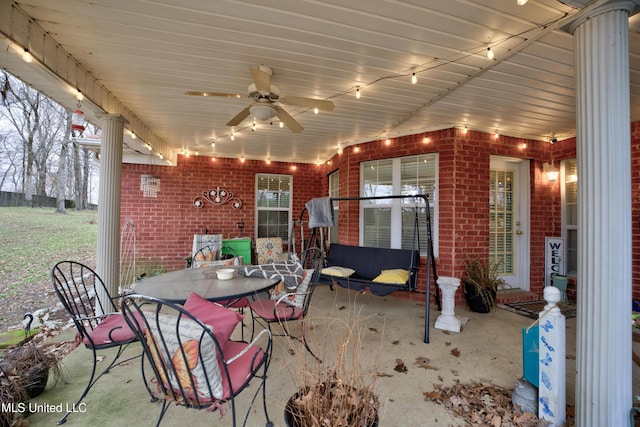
column 273, row 205
column 570, row 213
column 390, row 223
column 334, row 192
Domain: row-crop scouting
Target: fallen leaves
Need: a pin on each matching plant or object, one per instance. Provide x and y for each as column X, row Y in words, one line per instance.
column 484, row 404
column 400, row 366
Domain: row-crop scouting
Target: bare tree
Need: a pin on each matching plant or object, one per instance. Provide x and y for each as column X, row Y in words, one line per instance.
column 62, row 168
column 37, row 143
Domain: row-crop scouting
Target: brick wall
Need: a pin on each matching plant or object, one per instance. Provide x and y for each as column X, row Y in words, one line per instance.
column 165, row 225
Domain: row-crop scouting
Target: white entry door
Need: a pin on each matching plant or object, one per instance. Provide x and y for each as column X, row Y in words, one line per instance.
column 509, row 219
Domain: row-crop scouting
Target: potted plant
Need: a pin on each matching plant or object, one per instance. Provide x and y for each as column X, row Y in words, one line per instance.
column 481, row 284
column 340, row 390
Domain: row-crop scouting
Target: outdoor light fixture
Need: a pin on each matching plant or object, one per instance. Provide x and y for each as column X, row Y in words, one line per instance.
column 262, row 112
column 551, row 171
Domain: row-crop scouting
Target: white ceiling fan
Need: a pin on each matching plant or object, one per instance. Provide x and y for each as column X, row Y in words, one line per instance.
column 267, row 101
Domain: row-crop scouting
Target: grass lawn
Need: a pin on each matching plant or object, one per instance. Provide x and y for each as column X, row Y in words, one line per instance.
column 33, row 240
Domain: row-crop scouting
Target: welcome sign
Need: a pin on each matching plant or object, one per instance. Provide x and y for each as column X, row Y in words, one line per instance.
column 554, row 255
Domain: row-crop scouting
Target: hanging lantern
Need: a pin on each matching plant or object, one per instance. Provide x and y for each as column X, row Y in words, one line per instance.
column 77, row 120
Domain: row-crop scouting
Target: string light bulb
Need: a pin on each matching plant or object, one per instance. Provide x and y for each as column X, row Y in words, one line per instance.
column 281, row 125
column 490, row 53
column 414, row 79
column 213, row 145
column 358, row 93
column 79, row 96
column 521, row 2
column 26, row 56
column 315, row 110
column 465, row 130
column 242, row 159
column 233, row 136
column 133, row 135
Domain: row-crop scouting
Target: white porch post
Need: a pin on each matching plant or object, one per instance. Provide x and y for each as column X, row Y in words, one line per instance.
column 108, row 250
column 603, row 365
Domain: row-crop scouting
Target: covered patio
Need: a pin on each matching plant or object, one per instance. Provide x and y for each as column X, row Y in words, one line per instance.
column 487, row 351
column 165, row 81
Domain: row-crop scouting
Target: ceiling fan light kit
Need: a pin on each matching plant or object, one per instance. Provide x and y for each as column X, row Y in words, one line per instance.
column 262, row 112
column 268, row 102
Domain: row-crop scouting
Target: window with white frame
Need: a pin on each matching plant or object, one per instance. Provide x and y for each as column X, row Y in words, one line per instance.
column 273, row 205
column 570, row 213
column 334, row 185
column 391, row 223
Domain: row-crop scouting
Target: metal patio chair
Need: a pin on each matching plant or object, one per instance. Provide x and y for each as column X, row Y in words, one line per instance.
column 98, row 322
column 191, row 360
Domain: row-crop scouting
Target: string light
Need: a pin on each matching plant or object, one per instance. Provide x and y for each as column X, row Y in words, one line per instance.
column 358, row 93
column 242, row 159
column 26, row 56
column 79, row 95
column 426, row 140
column 521, row 2
column 465, row 130
column 387, row 142
column 339, row 149
column 233, row 136
column 315, row 110
column 281, row 124
column 197, row 152
column 414, row 79
column 496, row 135
column 213, row 145
column 133, row 135
column 490, row 53
column 149, row 147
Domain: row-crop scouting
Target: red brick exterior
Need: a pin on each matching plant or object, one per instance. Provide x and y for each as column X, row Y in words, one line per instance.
column 166, row 224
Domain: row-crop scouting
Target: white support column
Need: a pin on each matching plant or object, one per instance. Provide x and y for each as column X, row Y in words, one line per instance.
column 603, row 365
column 108, row 250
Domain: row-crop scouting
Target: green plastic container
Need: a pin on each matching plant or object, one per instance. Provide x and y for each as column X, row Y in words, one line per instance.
column 559, row 282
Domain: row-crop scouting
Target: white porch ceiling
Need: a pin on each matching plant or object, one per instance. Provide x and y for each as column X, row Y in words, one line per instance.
column 139, row 57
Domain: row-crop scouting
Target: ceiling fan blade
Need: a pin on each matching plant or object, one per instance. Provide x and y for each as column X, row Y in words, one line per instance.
column 299, row 101
column 262, row 80
column 288, row 121
column 226, row 95
column 239, row 117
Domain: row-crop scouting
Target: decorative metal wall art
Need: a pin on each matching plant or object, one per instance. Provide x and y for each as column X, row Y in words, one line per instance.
column 150, row 185
column 217, row 196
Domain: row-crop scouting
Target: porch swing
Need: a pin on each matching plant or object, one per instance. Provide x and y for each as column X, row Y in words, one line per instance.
column 367, row 263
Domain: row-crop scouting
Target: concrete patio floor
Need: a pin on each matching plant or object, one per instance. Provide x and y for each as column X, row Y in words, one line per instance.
column 488, row 349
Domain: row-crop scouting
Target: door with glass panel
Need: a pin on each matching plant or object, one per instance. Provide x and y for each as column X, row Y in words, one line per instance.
column 509, row 220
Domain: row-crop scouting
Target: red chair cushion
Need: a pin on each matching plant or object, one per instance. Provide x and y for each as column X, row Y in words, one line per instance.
column 113, row 324
column 240, row 370
column 221, row 319
column 265, row 309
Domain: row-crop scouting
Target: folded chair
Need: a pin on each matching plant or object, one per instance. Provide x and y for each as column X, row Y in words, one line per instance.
column 283, row 307
column 190, row 356
column 98, row 322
